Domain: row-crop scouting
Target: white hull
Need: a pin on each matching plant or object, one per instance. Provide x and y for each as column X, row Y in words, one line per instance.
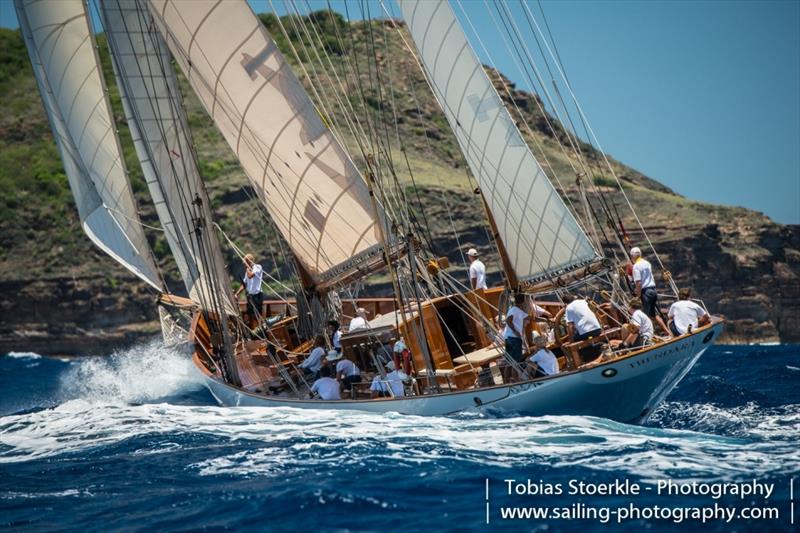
column 626, row 390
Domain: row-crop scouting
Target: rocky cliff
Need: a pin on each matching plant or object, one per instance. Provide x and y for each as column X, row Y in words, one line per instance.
column 58, row 294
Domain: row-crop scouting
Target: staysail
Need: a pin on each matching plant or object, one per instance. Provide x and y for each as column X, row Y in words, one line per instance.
column 540, row 234
column 159, row 127
column 304, row 177
column 67, row 69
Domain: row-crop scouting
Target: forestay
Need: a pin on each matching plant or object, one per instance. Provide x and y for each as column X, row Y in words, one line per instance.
column 158, row 124
column 540, row 234
column 308, row 183
column 67, row 69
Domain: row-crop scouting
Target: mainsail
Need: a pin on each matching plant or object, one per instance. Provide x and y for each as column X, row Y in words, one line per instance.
column 540, row 234
column 67, row 69
column 158, row 124
column 304, row 177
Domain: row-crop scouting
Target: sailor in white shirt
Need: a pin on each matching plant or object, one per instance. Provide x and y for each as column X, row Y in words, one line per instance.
column 646, row 286
column 686, row 314
column 514, row 333
column 313, row 362
column 477, row 270
column 642, row 331
column 346, row 370
column 544, row 360
column 326, row 387
column 393, row 381
column 252, row 283
column 581, row 321
column 359, row 321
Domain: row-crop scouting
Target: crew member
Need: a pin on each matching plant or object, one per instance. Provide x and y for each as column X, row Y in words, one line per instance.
column 326, row 387
column 640, row 329
column 582, row 323
column 359, row 321
column 346, row 371
column 477, row 270
column 543, row 362
column 313, row 362
column 252, row 282
column 514, row 333
column 401, row 356
column 645, row 286
column 685, row 314
column 393, row 381
column 335, row 335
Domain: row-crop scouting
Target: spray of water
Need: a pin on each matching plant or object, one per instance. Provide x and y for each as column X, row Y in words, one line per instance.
column 142, row 374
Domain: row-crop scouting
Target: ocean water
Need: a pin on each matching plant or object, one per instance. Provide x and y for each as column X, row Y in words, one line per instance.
column 134, row 442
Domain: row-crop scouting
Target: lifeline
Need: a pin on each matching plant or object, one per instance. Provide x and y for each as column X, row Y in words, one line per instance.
column 669, row 487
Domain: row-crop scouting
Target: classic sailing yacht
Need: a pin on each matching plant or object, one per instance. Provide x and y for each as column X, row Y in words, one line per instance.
column 339, row 225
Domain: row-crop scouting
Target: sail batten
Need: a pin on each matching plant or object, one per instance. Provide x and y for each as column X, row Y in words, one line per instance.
column 303, row 176
column 159, row 127
column 539, row 233
column 58, row 36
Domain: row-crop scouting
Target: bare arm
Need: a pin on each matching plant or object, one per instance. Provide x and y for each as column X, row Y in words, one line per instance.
column 638, row 289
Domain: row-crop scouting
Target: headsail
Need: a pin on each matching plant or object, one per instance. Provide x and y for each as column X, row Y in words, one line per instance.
column 540, row 234
column 304, row 177
column 160, row 132
column 67, row 69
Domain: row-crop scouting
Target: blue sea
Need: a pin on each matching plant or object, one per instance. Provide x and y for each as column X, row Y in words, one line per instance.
column 133, row 442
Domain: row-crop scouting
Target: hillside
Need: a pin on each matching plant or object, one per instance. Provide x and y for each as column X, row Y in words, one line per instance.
column 58, row 293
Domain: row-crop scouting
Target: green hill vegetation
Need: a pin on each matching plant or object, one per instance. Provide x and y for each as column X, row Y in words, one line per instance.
column 40, row 234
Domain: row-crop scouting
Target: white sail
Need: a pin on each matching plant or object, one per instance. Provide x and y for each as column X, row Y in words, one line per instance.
column 67, row 69
column 304, row 177
column 158, row 124
column 540, row 234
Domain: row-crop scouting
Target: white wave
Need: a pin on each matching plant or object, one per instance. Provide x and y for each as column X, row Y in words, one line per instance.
column 285, row 440
column 23, row 355
column 144, row 373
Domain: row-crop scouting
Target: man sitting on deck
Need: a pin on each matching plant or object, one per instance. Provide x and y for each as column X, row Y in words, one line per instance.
column 582, row 323
column 346, row 370
column 252, row 282
column 514, row 333
column 313, row 362
column 393, row 381
column 359, row 321
column 685, row 314
column 326, row 387
column 640, row 329
column 543, row 362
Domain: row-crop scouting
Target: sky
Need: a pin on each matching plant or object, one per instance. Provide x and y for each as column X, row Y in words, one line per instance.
column 703, row 96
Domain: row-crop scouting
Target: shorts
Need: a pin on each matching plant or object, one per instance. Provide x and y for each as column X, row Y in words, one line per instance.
column 514, row 348
column 649, row 300
column 255, row 303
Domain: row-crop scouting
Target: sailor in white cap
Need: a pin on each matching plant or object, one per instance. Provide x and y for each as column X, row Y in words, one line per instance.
column 402, row 356
column 477, row 270
column 326, row 387
column 346, row 371
column 359, row 321
column 646, row 286
column 394, row 381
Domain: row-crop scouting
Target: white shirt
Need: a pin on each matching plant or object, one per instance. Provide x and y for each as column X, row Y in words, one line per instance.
column 253, row 285
column 546, row 361
column 684, row 313
column 347, row 367
column 643, row 271
column 518, row 318
column 337, row 343
column 314, row 360
column 578, row 313
column 645, row 325
column 327, row 388
column 477, row 271
column 358, row 323
column 394, row 379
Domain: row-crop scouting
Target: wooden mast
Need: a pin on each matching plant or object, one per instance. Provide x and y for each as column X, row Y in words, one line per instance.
column 511, row 276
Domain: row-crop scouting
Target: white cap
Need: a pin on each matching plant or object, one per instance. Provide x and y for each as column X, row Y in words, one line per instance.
column 390, row 365
column 333, row 355
column 636, row 252
column 473, row 252
column 399, row 346
column 361, row 311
